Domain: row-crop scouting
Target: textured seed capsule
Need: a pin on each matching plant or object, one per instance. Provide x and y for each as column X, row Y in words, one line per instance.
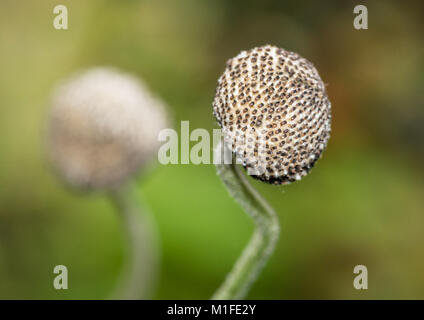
column 103, row 127
column 274, row 112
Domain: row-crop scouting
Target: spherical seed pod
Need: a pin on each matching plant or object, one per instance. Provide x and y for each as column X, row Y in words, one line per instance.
column 274, row 112
column 103, row 127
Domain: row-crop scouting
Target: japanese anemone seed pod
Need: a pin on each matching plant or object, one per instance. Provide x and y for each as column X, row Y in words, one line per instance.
column 276, row 120
column 274, row 112
column 103, row 128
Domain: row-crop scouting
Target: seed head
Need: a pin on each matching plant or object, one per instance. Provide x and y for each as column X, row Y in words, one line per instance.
column 274, row 112
column 103, row 127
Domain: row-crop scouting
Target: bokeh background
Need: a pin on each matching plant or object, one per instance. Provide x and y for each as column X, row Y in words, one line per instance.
column 362, row 204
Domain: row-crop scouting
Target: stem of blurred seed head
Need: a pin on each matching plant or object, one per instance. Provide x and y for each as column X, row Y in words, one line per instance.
column 139, row 275
column 254, row 257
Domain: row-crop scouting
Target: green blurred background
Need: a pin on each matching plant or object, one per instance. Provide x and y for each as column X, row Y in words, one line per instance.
column 362, row 204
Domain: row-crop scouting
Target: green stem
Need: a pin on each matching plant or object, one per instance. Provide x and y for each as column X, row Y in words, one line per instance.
column 247, row 268
column 139, row 274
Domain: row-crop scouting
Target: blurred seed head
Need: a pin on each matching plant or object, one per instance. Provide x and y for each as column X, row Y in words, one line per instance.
column 103, row 128
column 274, row 112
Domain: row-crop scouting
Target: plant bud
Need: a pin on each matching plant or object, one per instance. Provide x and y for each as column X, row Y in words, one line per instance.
column 274, row 112
column 103, row 127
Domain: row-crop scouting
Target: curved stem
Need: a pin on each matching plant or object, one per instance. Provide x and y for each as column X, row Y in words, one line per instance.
column 256, row 254
column 139, row 273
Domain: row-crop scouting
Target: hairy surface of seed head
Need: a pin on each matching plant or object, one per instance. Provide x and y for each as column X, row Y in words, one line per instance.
column 103, row 127
column 274, row 112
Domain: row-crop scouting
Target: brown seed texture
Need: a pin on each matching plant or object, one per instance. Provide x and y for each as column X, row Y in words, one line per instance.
column 274, row 112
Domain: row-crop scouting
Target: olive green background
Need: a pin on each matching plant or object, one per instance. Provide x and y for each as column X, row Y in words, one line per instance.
column 362, row 204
